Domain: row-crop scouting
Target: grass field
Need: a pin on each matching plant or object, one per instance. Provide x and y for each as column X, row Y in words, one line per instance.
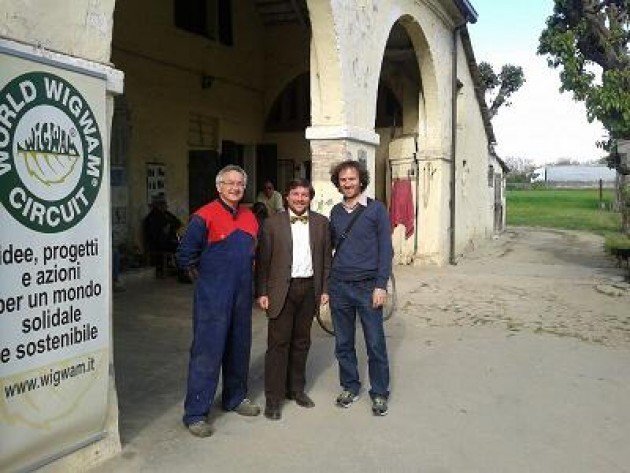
column 572, row 209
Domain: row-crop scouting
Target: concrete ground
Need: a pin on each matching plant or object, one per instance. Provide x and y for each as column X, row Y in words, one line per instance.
column 515, row 360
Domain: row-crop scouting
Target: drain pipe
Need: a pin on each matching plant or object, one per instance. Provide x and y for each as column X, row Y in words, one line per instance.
column 416, row 170
column 455, row 91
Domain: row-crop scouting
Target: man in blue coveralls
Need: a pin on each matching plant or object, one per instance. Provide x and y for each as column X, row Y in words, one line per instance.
column 217, row 250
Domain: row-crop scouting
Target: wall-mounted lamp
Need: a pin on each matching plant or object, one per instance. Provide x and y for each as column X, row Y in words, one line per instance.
column 206, row 81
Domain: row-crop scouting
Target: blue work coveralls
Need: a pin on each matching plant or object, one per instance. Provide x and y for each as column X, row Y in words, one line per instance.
column 219, row 242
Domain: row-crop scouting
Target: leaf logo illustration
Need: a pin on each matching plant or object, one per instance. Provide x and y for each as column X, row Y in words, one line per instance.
column 49, row 168
column 49, row 154
column 52, row 159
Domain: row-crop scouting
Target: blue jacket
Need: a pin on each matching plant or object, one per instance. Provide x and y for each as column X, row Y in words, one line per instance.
column 367, row 252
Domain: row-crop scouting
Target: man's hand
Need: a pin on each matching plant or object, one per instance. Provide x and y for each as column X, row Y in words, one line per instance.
column 263, row 302
column 323, row 299
column 193, row 273
column 379, row 297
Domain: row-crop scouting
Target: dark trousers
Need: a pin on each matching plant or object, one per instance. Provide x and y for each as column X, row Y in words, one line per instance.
column 288, row 341
column 159, row 260
column 347, row 299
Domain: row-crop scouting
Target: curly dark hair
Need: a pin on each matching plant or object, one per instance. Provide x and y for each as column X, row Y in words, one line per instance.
column 299, row 182
column 364, row 175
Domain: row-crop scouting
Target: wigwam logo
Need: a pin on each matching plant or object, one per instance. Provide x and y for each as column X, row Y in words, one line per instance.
column 51, row 152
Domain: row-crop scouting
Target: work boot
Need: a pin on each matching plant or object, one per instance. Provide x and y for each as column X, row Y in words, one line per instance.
column 201, row 428
column 247, row 408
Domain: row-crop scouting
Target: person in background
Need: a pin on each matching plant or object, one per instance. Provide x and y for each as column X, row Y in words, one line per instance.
column 217, row 250
column 271, row 198
column 116, row 283
column 260, row 212
column 292, row 269
column 160, row 233
column 358, row 283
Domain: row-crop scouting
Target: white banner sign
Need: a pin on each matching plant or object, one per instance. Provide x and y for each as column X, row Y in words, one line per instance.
column 54, row 261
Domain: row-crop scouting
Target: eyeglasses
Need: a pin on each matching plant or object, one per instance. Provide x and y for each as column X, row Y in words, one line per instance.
column 239, row 185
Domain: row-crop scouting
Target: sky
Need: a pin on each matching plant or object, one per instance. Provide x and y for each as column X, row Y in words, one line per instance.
column 542, row 124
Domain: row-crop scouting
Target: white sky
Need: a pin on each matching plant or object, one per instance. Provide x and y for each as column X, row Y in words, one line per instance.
column 542, row 124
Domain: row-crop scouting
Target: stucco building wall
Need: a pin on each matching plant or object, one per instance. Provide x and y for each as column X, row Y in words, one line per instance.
column 164, row 68
column 473, row 207
column 73, row 27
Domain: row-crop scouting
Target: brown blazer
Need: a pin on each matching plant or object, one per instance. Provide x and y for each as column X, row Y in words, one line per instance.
column 274, row 259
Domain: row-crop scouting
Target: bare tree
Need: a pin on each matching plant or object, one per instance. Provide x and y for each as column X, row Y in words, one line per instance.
column 499, row 87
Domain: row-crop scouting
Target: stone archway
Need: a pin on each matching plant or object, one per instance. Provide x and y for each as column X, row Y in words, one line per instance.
column 413, row 152
column 348, row 48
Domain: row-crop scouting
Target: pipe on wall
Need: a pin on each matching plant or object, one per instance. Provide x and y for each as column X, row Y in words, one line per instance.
column 454, row 92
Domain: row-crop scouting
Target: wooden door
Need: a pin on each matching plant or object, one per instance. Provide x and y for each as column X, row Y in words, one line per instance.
column 203, row 166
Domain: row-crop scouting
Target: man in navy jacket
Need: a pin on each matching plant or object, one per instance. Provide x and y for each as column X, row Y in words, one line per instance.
column 361, row 267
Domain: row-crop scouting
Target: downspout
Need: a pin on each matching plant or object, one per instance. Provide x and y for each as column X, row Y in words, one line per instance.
column 455, row 88
column 416, row 170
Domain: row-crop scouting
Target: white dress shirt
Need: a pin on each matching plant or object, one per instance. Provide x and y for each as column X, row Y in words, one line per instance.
column 302, row 266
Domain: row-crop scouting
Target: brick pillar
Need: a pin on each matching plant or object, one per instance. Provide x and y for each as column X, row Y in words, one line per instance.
column 330, row 145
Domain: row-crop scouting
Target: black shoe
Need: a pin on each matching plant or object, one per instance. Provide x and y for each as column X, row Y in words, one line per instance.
column 301, row 399
column 272, row 410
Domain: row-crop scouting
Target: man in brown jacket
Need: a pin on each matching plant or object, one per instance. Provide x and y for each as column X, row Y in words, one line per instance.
column 292, row 269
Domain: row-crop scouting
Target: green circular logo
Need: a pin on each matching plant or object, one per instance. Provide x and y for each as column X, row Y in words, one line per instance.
column 51, row 152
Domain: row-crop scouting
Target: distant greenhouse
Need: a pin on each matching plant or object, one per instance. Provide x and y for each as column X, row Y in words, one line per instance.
column 575, row 176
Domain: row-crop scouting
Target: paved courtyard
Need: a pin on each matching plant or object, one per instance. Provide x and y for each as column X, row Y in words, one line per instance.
column 515, row 360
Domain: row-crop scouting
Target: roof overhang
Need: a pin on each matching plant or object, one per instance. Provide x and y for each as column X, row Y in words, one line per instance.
column 469, row 12
column 476, row 78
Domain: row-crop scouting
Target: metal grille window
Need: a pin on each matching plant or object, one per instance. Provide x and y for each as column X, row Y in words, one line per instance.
column 203, row 131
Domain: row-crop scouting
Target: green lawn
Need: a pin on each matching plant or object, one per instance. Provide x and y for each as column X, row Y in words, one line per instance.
column 572, row 209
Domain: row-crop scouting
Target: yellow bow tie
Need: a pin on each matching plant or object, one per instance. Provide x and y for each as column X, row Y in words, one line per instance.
column 299, row 218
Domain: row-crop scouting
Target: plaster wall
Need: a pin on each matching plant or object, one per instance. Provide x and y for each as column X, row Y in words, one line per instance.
column 474, row 201
column 350, row 40
column 164, row 68
column 76, row 28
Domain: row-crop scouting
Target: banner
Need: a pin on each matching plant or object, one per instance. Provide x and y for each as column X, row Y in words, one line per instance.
column 54, row 260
